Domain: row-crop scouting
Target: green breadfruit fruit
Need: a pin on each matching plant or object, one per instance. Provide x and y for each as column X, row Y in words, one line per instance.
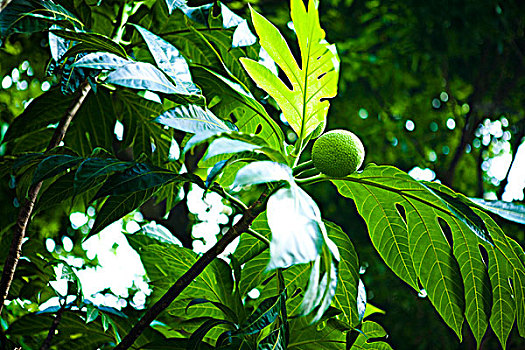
column 338, row 153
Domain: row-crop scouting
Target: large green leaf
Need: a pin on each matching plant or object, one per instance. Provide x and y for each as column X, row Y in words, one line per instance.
column 142, row 135
column 440, row 241
column 54, row 165
column 117, row 206
column 401, row 216
column 137, row 178
column 92, row 170
column 249, row 246
column 74, row 332
column 387, row 228
column 316, row 78
column 475, row 278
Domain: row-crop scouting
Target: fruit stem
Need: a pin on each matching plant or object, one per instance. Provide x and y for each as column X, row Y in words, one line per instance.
column 302, row 167
column 313, row 179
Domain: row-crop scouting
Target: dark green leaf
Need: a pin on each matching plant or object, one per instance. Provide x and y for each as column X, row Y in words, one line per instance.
column 117, row 206
column 44, row 110
column 139, row 177
column 92, row 41
column 54, row 165
column 92, row 171
column 266, row 314
column 29, row 16
column 197, row 336
column 93, row 125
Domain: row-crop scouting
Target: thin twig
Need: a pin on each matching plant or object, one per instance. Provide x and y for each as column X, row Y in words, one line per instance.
column 27, row 209
column 233, row 200
column 3, row 4
column 54, row 326
column 241, row 226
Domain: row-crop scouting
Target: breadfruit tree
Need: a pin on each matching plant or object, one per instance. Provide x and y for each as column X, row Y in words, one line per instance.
column 150, row 100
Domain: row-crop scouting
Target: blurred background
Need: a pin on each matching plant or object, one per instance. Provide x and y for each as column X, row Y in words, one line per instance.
column 435, row 88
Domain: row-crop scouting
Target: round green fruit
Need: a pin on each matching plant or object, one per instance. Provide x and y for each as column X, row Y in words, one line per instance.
column 338, row 153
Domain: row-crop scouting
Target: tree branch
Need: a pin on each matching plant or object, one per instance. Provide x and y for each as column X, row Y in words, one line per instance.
column 195, row 270
column 27, row 209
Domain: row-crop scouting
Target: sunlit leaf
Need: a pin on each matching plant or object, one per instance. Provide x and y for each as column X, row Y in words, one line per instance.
column 297, row 229
column 510, row 211
column 142, row 76
column 170, row 61
column 193, row 119
column 262, row 172
column 371, row 330
column 402, row 217
column 101, row 60
column 314, row 80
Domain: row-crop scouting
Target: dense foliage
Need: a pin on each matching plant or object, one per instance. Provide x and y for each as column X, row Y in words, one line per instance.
column 122, row 109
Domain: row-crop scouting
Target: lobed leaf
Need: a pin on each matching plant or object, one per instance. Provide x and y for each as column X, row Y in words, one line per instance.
column 304, row 106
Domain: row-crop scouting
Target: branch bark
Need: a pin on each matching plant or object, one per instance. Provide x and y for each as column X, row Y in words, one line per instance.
column 235, row 231
column 26, row 210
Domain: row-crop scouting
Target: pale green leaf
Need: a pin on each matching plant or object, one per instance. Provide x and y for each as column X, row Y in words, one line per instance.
column 316, row 78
